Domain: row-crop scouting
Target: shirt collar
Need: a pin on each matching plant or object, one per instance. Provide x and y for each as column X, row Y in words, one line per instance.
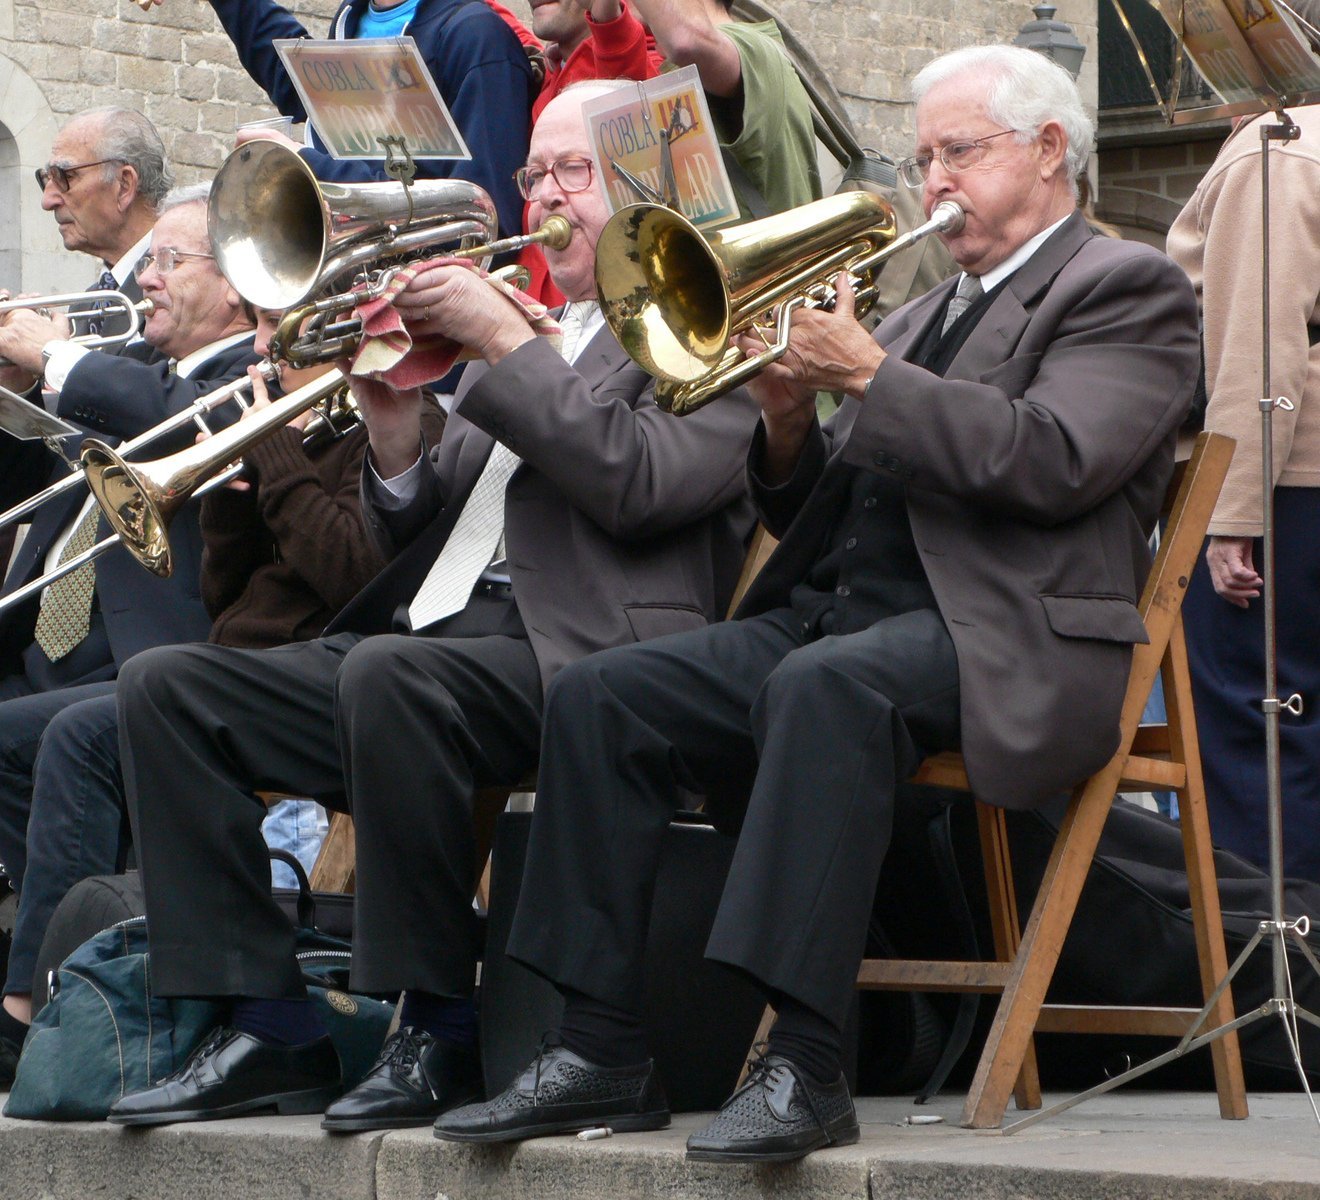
column 124, row 267
column 190, row 362
column 996, row 275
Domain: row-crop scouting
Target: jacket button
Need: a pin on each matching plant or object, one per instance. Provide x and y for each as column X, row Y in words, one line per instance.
column 850, row 544
column 843, row 590
column 869, row 502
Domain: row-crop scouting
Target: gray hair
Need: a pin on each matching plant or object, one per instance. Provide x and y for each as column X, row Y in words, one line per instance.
column 189, row 193
column 1024, row 90
column 128, row 137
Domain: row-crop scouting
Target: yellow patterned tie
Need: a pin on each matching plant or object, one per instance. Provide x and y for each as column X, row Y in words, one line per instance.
column 66, row 609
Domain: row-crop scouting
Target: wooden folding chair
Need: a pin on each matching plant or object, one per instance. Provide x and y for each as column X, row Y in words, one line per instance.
column 1165, row 757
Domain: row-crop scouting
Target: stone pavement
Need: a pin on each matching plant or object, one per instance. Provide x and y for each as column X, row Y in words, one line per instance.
column 1122, row 1146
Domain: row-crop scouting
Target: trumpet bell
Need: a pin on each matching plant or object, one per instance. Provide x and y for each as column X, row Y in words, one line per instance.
column 674, row 296
column 281, row 235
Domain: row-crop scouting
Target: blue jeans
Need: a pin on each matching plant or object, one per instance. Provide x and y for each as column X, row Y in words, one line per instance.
column 298, row 826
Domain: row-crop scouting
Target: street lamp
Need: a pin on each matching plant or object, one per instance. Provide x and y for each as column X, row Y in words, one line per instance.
column 1054, row 39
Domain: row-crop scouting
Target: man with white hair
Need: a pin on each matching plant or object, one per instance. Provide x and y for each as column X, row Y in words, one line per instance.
column 963, row 545
column 106, row 177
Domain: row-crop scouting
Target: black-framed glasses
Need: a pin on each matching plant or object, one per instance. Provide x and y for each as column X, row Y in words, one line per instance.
column 164, row 260
column 572, row 174
column 61, row 177
column 956, row 156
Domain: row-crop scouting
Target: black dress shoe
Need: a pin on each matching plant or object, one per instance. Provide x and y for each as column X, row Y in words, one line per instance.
column 231, row 1074
column 562, row 1093
column 415, row 1078
column 776, row 1116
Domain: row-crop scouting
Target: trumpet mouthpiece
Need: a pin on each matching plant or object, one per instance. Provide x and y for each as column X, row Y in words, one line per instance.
column 948, row 217
column 555, row 232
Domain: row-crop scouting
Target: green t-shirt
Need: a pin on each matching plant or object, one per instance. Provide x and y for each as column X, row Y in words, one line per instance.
column 776, row 145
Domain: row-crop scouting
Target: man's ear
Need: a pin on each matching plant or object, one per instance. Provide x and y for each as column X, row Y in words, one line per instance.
column 1053, row 143
column 126, row 183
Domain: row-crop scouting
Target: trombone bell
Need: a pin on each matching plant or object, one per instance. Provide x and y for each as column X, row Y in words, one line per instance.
column 139, row 500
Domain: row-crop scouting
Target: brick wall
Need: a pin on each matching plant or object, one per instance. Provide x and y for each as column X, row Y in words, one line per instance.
column 177, row 66
column 1145, row 187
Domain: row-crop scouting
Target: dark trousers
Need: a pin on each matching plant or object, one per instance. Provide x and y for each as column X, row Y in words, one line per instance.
column 822, row 731
column 418, row 723
column 59, row 753
column 1226, row 650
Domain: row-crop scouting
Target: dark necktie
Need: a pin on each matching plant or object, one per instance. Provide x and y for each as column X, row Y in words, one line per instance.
column 93, row 322
column 969, row 289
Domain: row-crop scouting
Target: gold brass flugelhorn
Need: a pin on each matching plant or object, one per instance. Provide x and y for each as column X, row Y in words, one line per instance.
column 108, row 304
column 675, row 297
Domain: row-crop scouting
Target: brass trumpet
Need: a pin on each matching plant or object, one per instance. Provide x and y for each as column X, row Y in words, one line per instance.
column 675, row 297
column 108, row 305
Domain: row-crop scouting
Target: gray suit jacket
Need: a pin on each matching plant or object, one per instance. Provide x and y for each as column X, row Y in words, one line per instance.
column 1034, row 471
column 621, row 523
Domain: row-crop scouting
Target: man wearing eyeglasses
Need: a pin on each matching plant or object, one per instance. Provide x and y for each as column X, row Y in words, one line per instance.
column 68, row 642
column 106, row 176
column 963, row 545
column 561, row 512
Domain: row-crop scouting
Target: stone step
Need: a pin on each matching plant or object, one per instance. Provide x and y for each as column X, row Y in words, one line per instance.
column 1122, row 1146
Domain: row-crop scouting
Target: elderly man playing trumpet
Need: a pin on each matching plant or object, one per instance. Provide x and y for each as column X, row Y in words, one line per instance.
column 963, row 546
column 68, row 643
column 560, row 513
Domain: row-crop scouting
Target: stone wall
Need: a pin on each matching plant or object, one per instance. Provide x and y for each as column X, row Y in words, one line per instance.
column 177, row 66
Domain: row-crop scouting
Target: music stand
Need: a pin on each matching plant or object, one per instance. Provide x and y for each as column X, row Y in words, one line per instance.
column 26, row 421
column 1270, row 96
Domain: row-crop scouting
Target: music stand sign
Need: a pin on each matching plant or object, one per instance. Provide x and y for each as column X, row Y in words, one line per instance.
column 661, row 134
column 356, row 92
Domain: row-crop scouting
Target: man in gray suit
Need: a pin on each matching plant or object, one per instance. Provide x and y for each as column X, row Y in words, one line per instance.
column 962, row 549
column 562, row 512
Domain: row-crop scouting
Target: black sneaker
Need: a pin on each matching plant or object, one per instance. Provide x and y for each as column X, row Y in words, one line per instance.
column 562, row 1093
column 776, row 1116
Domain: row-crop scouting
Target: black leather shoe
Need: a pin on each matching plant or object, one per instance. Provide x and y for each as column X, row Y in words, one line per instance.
column 776, row 1116
column 562, row 1093
column 231, row 1074
column 415, row 1078
column 8, row 1063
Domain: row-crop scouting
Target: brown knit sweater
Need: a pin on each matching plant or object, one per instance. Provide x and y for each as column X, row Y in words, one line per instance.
column 283, row 557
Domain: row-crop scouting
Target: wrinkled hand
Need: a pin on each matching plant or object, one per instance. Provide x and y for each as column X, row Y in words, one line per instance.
column 22, row 336
column 455, row 302
column 1231, row 570
column 827, row 351
column 394, row 422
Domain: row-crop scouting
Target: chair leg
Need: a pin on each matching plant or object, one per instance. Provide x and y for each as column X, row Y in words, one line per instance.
column 1005, row 928
column 1207, row 919
column 1015, row 1019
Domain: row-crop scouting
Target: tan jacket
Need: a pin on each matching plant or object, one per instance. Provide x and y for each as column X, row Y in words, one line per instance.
column 1217, row 241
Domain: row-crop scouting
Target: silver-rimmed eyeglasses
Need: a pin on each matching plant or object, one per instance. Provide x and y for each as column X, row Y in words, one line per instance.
column 956, row 156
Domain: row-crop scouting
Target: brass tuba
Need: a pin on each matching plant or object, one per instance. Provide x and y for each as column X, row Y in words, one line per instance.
column 675, row 297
